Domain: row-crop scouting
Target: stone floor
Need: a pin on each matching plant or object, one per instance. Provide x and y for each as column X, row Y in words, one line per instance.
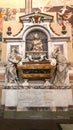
column 32, row 125
column 67, row 126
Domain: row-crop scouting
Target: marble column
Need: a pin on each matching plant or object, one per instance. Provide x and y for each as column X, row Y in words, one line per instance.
column 28, row 6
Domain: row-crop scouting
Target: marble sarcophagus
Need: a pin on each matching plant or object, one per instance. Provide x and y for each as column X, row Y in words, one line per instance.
column 36, row 70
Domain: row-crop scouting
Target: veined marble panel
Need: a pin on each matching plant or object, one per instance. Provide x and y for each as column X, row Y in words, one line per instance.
column 31, row 98
column 44, row 98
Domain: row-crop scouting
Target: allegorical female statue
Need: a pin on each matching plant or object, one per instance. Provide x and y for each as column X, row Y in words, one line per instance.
column 61, row 70
column 11, row 68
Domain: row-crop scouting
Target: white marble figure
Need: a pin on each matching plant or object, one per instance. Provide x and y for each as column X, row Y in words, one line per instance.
column 61, row 70
column 37, row 53
column 37, row 43
column 11, row 69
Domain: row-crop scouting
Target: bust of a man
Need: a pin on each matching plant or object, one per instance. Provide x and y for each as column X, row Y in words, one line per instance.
column 37, row 43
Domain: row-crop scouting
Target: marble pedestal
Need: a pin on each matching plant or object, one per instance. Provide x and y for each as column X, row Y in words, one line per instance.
column 23, row 99
column 9, row 98
column 44, row 98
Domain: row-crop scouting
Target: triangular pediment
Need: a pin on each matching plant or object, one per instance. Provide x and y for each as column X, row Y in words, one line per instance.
column 36, row 16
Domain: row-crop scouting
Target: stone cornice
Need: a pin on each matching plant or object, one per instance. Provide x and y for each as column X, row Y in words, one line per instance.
column 11, row 39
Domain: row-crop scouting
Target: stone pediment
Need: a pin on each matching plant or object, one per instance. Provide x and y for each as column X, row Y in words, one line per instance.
column 36, row 17
column 36, row 22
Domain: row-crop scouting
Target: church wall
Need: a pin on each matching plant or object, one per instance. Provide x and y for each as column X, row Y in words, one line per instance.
column 16, row 27
column 3, row 58
column 70, row 51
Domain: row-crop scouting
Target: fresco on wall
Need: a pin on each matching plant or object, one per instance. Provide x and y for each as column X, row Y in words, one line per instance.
column 10, row 13
column 65, row 17
column 30, row 84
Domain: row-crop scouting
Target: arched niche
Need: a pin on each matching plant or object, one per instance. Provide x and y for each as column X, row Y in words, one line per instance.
column 43, row 34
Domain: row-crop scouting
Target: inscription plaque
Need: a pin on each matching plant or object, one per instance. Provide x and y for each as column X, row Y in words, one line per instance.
column 43, row 98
